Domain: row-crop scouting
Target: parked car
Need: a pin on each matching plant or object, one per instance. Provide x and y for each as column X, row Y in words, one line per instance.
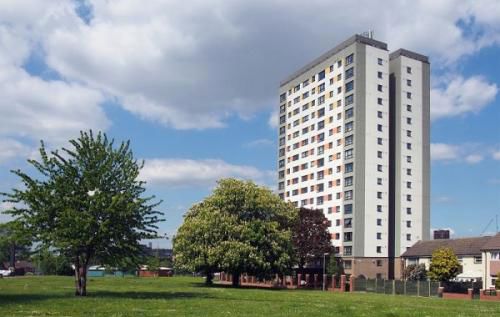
column 5, row 273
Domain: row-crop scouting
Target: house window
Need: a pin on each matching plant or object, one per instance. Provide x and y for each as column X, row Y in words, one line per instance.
column 478, row 259
column 408, row 237
column 379, row 263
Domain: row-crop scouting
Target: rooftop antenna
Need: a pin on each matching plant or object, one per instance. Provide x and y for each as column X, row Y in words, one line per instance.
column 368, row 34
column 489, row 224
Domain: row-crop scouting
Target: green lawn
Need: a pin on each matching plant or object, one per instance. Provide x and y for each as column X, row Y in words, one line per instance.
column 184, row 296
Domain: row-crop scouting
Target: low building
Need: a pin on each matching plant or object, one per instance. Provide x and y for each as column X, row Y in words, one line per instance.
column 468, row 250
column 491, row 260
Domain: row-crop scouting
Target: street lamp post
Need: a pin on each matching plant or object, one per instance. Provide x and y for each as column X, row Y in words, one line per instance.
column 324, row 266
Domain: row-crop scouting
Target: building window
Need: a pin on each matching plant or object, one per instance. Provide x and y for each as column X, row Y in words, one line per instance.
column 379, row 249
column 348, row 195
column 319, row 200
column 347, row 236
column 349, row 86
column 408, row 108
column 379, row 195
column 348, row 223
column 321, row 75
column 349, row 140
column 349, row 126
column 379, row 61
column 408, row 197
column 379, row 235
column 321, row 88
column 349, row 59
column 348, row 154
column 379, row 208
column 408, row 82
column 348, row 100
column 408, row 95
column 408, row 171
column 379, row 181
column 379, row 114
column 408, row 120
column 379, row 101
column 408, row 211
column 379, row 167
column 348, row 209
column 379, row 87
column 282, row 97
column 408, row 237
column 349, row 113
column 348, row 252
column 408, row 133
column 349, row 73
column 379, row 222
column 379, row 263
column 379, row 154
column 379, row 75
column 408, row 70
column 408, row 224
column 408, row 146
column 408, row 184
column 348, row 181
column 478, row 259
column 349, row 167
column 379, row 127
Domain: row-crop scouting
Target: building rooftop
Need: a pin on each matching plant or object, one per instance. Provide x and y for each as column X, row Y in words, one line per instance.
column 409, row 54
column 462, row 246
column 353, row 39
column 493, row 243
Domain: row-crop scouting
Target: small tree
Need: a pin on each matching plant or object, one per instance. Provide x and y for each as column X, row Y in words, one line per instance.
column 415, row 272
column 334, row 267
column 240, row 228
column 310, row 236
column 86, row 204
column 444, row 265
column 14, row 242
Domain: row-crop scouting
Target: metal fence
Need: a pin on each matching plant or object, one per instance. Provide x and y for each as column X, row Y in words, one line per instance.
column 397, row 287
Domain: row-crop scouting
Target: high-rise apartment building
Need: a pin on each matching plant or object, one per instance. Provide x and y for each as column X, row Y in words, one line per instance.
column 354, row 142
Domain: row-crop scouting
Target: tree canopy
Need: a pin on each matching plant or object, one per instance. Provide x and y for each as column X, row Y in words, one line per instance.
column 444, row 265
column 415, row 272
column 240, row 228
column 14, row 243
column 86, row 203
column 310, row 236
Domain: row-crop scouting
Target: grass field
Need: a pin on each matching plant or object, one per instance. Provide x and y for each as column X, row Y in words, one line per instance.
column 185, row 296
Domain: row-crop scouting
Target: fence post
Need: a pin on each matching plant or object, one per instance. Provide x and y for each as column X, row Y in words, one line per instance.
column 351, row 283
column 393, row 287
column 342, row 283
column 325, row 281
column 404, row 287
column 299, row 280
column 315, row 279
column 376, row 285
column 333, row 282
column 469, row 293
column 429, row 284
column 418, row 288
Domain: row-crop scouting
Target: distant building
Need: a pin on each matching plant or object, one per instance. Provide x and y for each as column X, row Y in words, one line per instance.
column 441, row 234
column 479, row 256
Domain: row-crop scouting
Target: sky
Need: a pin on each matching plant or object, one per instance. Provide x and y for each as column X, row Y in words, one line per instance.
column 194, row 85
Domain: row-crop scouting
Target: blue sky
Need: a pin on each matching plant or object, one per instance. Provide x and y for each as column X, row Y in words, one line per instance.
column 196, row 90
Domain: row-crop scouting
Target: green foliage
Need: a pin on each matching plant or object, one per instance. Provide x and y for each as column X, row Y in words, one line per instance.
column 240, row 228
column 86, row 204
column 497, row 282
column 14, row 242
column 51, row 263
column 444, row 265
column 334, row 267
column 310, row 237
column 415, row 272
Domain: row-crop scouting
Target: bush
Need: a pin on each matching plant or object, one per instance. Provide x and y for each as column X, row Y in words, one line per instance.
column 416, row 272
column 497, row 282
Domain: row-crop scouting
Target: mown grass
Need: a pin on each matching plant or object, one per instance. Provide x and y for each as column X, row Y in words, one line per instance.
column 185, row 296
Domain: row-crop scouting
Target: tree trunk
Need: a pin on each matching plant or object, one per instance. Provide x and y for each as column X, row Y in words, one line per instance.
column 236, row 279
column 83, row 283
column 13, row 255
column 210, row 277
column 77, row 279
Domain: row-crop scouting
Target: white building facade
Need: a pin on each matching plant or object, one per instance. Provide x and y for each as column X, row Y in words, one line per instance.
column 335, row 150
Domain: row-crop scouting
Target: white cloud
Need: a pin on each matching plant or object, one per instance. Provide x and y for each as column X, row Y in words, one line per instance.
column 462, row 96
column 468, row 153
column 273, row 119
column 199, row 173
column 496, row 155
column 259, row 143
column 10, row 149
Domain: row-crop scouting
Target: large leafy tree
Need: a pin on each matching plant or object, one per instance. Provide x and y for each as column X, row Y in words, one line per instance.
column 310, row 237
column 87, row 204
column 240, row 228
column 444, row 265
